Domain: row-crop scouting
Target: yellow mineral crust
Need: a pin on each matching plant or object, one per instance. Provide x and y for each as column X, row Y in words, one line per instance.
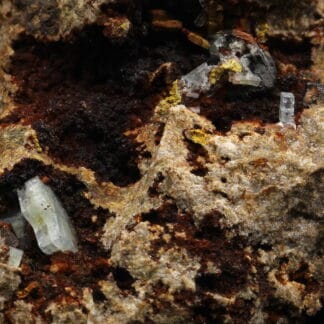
column 232, row 65
column 262, row 31
column 172, row 99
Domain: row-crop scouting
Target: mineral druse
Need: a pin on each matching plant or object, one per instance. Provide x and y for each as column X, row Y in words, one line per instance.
column 245, row 63
column 287, row 109
column 45, row 213
column 258, row 66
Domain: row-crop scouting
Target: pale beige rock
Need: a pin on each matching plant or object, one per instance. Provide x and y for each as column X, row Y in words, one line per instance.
column 67, row 312
column 22, row 313
column 9, row 282
column 272, row 181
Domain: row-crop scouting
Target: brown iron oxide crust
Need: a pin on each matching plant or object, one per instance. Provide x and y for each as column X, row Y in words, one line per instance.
column 210, row 243
column 82, row 97
column 91, row 92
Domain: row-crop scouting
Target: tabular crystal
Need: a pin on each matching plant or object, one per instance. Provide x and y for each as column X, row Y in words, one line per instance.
column 15, row 257
column 196, row 81
column 45, row 213
column 287, row 108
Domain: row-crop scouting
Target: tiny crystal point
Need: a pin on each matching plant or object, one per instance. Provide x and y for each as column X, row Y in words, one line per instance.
column 49, row 220
column 287, row 108
column 15, row 257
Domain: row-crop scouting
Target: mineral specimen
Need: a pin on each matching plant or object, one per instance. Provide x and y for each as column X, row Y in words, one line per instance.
column 196, row 81
column 42, row 209
column 222, row 222
column 259, row 67
column 287, row 108
column 238, row 55
column 15, row 256
column 246, row 77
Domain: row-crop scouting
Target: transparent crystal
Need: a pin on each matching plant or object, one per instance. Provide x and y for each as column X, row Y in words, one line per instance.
column 196, row 81
column 259, row 69
column 15, row 257
column 287, row 108
column 49, row 220
column 246, row 77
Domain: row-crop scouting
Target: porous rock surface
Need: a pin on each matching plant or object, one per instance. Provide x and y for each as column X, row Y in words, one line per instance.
column 219, row 227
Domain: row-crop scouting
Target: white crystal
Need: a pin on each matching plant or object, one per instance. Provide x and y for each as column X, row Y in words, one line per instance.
column 287, row 108
column 15, row 257
column 49, row 220
column 258, row 66
column 245, row 78
column 196, row 81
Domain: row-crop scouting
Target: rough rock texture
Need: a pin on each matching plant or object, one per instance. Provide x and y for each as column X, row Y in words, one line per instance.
column 199, row 211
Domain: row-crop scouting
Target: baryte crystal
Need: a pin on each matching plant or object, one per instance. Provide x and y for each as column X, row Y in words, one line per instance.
column 287, row 108
column 246, row 77
column 196, row 81
column 49, row 220
column 15, row 257
column 258, row 66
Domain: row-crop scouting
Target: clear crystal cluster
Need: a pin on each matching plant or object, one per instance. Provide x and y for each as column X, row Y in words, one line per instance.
column 196, row 81
column 49, row 220
column 287, row 109
column 258, row 66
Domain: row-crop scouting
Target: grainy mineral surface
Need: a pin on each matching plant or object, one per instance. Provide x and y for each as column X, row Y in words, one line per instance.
column 187, row 210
